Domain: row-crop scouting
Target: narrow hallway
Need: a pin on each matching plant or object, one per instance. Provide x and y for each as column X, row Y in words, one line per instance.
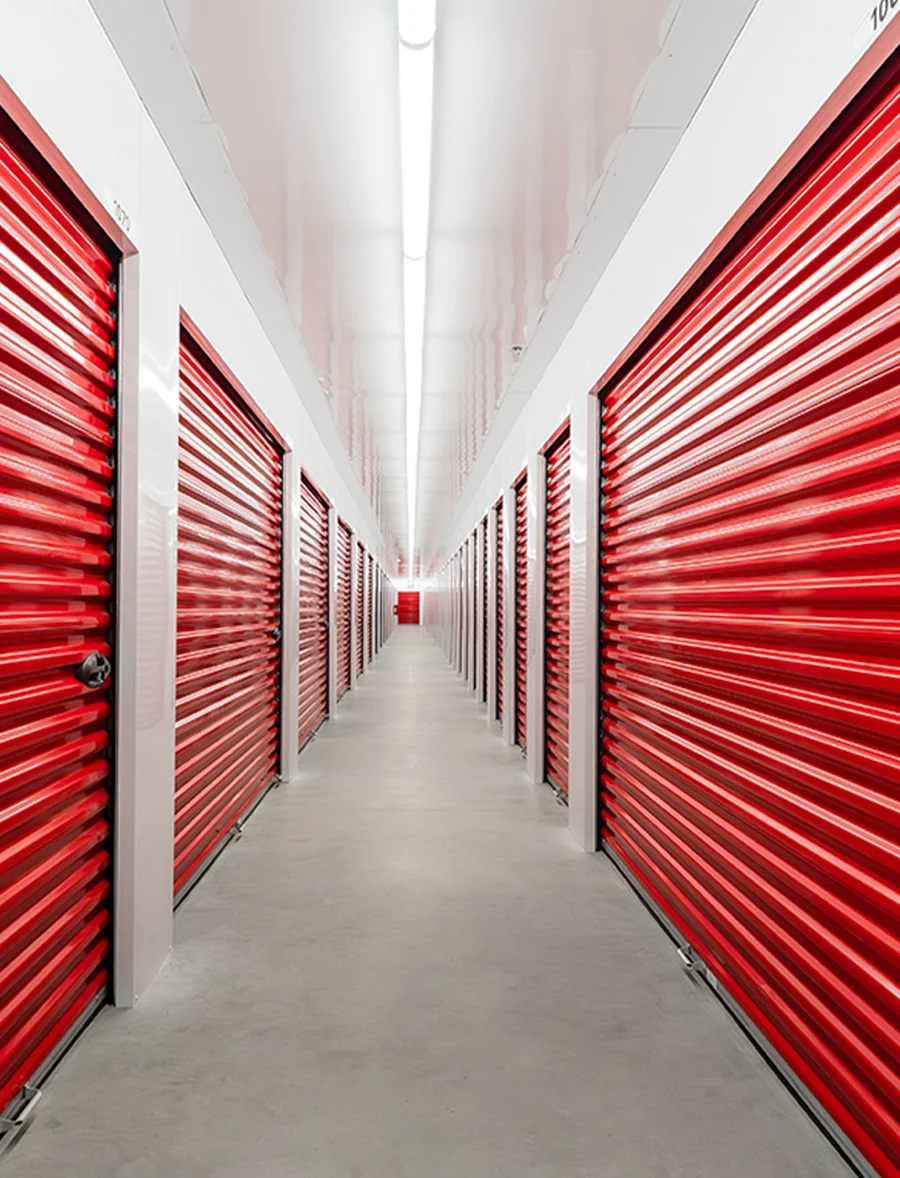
column 406, row 969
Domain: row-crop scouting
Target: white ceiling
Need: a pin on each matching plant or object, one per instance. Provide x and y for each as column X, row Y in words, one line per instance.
column 553, row 119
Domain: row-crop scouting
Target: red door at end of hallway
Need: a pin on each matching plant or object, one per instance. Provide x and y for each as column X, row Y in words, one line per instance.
column 57, row 359
column 521, row 612
column 344, row 607
column 750, row 667
column 556, row 607
column 313, row 605
column 229, row 613
column 407, row 608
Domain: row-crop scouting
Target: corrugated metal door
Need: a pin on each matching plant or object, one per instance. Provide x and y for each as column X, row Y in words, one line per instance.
column 379, row 616
column 57, row 364
column 484, row 609
column 313, row 699
column 458, row 608
column 556, row 626
column 377, row 609
column 370, row 612
column 344, row 607
column 360, row 609
column 498, row 581
column 751, row 676
column 229, row 613
column 408, row 608
column 474, row 596
column 521, row 619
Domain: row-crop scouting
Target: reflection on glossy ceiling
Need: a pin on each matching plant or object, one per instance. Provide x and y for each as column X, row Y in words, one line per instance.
column 553, row 118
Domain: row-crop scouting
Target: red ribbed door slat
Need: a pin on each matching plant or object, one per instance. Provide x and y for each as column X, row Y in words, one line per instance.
column 556, row 633
column 57, row 358
column 344, row 606
column 521, row 618
column 751, row 674
column 229, row 613
column 498, row 581
column 360, row 609
column 313, row 697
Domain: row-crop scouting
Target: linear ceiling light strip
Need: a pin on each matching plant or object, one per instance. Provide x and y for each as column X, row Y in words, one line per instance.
column 416, row 27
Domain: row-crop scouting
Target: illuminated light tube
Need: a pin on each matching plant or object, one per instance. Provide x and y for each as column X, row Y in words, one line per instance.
column 416, row 27
column 417, row 21
column 414, row 278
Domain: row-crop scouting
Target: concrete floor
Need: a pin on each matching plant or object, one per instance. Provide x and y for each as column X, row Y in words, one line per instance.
column 407, row 970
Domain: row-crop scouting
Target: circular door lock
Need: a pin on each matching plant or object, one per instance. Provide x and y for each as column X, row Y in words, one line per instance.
column 94, row 670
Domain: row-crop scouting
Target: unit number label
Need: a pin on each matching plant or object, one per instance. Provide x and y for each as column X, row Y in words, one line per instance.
column 123, row 220
column 882, row 12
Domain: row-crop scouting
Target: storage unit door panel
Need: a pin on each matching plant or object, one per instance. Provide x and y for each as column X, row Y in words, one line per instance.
column 370, row 610
column 484, row 609
column 521, row 619
column 458, row 609
column 229, row 613
column 344, row 607
column 376, row 608
column 408, row 608
column 57, row 357
column 360, row 609
column 474, row 594
column 313, row 707
column 499, row 583
column 556, row 646
column 751, row 674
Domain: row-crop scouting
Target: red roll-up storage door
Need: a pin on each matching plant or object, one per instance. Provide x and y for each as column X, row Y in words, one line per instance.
column 751, row 674
column 313, row 706
column 360, row 609
column 521, row 620
column 408, row 608
column 498, row 581
column 556, row 629
column 344, row 606
column 462, row 610
column 377, row 608
column 484, row 609
column 370, row 611
column 474, row 595
column 57, row 360
column 458, row 609
column 229, row 613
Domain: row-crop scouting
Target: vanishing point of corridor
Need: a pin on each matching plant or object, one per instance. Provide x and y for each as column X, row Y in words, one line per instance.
column 406, row 969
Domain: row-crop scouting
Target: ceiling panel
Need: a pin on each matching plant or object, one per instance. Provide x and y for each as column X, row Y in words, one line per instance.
column 553, row 119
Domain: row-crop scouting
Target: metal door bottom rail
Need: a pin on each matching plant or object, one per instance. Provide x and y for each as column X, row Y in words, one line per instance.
column 698, row 970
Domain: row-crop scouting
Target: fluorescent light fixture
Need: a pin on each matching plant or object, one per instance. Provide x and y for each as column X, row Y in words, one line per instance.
column 416, row 27
column 416, row 97
column 414, row 277
column 417, row 21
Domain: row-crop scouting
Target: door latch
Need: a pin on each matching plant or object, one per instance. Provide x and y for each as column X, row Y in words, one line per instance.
column 33, row 1097
column 94, row 670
